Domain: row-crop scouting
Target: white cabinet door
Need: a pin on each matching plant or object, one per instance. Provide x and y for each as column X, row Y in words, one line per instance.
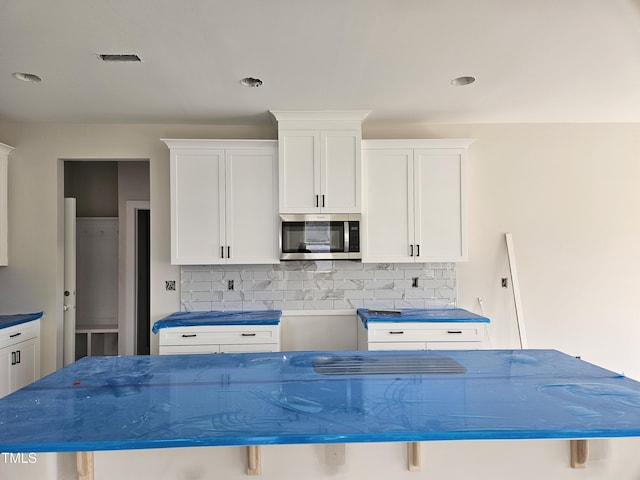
column 223, row 202
column 341, row 168
column 389, row 207
column 439, row 200
column 252, row 210
column 197, row 206
column 320, row 171
column 4, row 155
column 27, row 367
column 423, row 220
column 299, row 162
column 5, row 371
column 19, row 365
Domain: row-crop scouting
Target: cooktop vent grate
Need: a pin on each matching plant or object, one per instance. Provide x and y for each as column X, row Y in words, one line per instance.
column 422, row 364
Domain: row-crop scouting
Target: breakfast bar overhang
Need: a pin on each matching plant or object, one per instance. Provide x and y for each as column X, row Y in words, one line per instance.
column 252, row 399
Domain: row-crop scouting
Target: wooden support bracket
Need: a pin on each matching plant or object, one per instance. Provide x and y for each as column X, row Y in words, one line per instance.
column 413, row 456
column 579, row 453
column 253, row 460
column 84, row 465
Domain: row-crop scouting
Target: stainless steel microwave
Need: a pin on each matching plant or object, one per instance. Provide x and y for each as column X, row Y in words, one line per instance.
column 320, row 237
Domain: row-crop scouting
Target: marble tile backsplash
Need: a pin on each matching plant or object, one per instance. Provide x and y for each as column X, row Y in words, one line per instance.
column 329, row 285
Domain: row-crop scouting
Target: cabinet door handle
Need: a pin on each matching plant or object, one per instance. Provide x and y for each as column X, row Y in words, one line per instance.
column 221, row 252
column 418, row 250
column 323, row 200
column 228, row 252
column 248, row 334
column 15, row 335
column 189, row 335
column 13, row 358
column 454, row 331
column 317, row 200
column 411, row 254
column 396, row 332
column 18, row 352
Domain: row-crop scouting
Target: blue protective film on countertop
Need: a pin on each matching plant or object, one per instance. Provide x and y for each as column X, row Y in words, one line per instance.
column 114, row 403
column 191, row 319
column 421, row 315
column 17, row 319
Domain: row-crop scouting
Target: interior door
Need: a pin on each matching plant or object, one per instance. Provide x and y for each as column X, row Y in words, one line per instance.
column 69, row 301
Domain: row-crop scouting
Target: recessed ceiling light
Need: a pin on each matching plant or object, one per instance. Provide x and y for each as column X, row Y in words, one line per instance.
column 462, row 81
column 27, row 77
column 251, row 82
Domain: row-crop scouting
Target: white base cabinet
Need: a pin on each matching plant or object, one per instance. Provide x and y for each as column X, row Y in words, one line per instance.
column 224, row 202
column 415, row 200
column 219, row 339
column 421, row 336
column 19, row 356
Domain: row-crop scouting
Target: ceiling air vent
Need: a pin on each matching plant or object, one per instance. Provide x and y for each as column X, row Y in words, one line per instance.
column 119, row 57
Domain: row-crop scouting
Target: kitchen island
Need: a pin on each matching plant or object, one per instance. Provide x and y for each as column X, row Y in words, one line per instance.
column 149, row 402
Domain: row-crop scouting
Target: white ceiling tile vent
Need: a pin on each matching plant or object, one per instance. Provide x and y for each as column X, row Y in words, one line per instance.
column 119, row 57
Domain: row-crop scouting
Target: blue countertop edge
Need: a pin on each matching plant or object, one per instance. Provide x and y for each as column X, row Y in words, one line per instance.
column 422, row 315
column 218, row 317
column 11, row 320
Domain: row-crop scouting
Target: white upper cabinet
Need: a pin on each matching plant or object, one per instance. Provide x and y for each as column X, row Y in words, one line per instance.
column 5, row 150
column 320, row 161
column 223, row 201
column 415, row 200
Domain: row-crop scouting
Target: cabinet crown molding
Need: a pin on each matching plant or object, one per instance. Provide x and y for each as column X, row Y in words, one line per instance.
column 319, row 119
column 5, row 149
column 418, row 143
column 197, row 143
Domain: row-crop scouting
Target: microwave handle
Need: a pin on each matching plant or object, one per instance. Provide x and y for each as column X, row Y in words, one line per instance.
column 346, row 236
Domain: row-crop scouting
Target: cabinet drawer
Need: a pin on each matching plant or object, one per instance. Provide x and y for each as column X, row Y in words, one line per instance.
column 232, row 348
column 250, row 347
column 220, row 334
column 397, row 346
column 182, row 349
column 19, row 333
column 423, row 332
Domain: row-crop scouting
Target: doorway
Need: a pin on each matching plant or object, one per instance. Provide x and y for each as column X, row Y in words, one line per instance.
column 103, row 190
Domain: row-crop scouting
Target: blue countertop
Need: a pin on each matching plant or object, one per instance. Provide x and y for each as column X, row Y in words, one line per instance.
column 118, row 403
column 17, row 319
column 192, row 319
column 420, row 315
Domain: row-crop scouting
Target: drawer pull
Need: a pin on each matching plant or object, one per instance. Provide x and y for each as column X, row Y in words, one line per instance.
column 15, row 335
column 248, row 334
column 396, row 332
column 454, row 331
column 189, row 335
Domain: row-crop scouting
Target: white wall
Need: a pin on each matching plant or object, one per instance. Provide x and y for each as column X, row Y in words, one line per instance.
column 568, row 193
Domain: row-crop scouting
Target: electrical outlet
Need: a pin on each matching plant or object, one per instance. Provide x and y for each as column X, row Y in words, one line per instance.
column 170, row 285
column 230, row 284
column 414, row 282
column 503, row 282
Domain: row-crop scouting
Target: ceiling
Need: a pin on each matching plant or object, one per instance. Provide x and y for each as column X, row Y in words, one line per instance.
column 533, row 60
